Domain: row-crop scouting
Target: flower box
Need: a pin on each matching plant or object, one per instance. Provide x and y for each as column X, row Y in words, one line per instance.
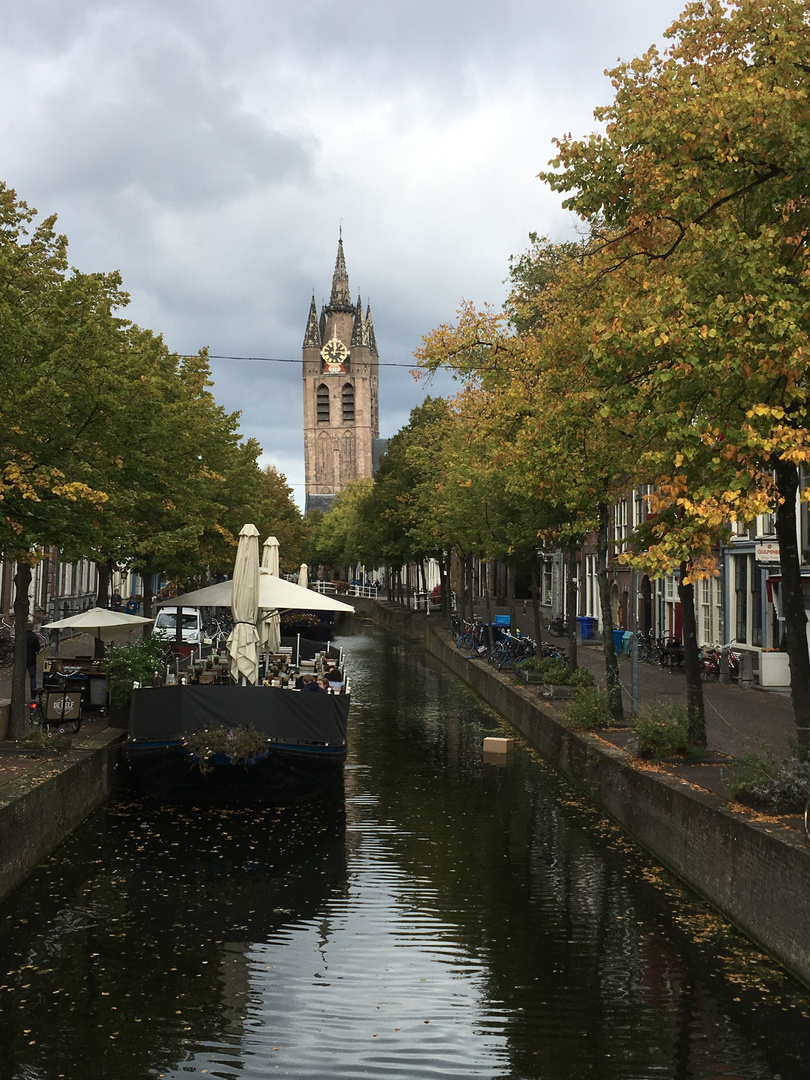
column 774, row 669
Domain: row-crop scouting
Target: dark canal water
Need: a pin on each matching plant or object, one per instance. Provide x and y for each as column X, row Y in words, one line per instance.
column 454, row 918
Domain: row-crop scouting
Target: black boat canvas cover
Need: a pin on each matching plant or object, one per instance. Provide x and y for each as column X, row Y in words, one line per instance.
column 168, row 713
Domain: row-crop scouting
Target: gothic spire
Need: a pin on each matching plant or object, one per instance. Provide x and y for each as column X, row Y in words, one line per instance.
column 340, row 300
column 312, row 335
column 369, row 327
column 357, row 327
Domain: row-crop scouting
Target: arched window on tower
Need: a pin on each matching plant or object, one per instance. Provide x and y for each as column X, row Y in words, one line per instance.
column 322, row 401
column 348, row 402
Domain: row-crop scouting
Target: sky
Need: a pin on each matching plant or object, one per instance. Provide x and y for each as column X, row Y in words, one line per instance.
column 212, row 151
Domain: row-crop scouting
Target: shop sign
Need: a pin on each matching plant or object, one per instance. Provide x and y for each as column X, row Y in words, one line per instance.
column 767, row 552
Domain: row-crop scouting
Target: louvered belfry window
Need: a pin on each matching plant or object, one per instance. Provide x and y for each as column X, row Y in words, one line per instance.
column 348, row 402
column 322, row 401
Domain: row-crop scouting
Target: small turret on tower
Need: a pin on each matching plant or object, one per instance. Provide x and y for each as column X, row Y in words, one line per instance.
column 312, row 335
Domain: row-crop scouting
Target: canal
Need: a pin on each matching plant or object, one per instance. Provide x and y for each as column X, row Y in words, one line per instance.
column 450, row 917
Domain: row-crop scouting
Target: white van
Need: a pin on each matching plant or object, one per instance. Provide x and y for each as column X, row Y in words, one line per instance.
column 166, row 625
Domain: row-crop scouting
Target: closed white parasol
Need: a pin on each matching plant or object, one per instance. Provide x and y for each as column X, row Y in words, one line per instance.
column 270, row 626
column 244, row 638
column 303, row 576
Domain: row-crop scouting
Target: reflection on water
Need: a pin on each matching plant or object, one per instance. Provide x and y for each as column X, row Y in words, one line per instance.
column 450, row 918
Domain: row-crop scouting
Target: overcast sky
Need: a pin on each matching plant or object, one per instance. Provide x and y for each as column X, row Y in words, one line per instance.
column 210, row 150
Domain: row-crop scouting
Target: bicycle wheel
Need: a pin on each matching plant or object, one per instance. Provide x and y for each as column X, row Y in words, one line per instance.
column 507, row 661
column 37, row 715
column 807, row 819
column 496, row 656
column 76, row 723
column 465, row 642
column 6, row 652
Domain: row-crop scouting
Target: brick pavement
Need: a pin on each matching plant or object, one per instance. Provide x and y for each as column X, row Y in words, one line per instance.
column 736, row 720
column 12, row 765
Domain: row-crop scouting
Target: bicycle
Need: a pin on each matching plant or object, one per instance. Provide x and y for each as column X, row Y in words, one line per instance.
column 473, row 638
column 710, row 661
column 512, row 651
column 649, row 651
column 217, row 629
column 558, row 626
column 7, row 639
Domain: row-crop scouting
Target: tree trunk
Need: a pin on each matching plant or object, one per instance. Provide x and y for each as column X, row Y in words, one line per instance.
column 612, row 679
column 691, row 662
column 466, row 588
column 787, row 483
column 447, row 602
column 104, row 575
column 488, row 599
column 19, row 678
column 535, row 591
column 571, row 602
column 510, row 597
column 147, row 598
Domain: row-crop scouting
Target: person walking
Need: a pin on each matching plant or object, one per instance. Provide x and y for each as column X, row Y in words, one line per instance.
column 32, row 646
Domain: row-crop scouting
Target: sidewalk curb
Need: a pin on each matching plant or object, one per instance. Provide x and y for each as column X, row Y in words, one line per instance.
column 40, row 808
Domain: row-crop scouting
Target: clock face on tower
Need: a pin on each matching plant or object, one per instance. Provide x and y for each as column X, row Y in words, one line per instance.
column 334, row 354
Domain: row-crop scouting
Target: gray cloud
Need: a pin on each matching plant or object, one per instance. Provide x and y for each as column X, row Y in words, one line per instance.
column 209, row 151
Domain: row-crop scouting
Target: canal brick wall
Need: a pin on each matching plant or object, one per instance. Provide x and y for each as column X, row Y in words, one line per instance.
column 42, row 806
column 755, row 872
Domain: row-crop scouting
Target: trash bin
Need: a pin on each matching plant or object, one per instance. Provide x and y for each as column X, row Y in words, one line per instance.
column 587, row 627
column 627, row 638
column 618, row 640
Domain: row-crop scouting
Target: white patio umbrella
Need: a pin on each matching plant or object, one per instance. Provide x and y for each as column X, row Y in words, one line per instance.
column 303, row 576
column 270, row 626
column 274, row 592
column 102, row 622
column 244, row 638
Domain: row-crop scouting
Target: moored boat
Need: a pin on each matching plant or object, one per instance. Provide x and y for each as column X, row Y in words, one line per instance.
column 233, row 738
column 236, row 744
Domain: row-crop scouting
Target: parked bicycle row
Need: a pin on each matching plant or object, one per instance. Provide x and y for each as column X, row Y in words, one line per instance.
column 497, row 644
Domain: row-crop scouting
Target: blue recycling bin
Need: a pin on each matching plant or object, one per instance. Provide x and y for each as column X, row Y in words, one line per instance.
column 618, row 640
column 587, row 627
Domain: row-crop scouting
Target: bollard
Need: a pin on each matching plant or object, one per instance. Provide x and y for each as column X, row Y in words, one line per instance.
column 746, row 670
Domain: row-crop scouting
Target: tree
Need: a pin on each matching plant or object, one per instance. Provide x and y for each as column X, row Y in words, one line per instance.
column 697, row 194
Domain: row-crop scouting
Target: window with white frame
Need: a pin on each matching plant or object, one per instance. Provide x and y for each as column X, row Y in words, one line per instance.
column 640, row 504
column 766, row 525
column 620, row 524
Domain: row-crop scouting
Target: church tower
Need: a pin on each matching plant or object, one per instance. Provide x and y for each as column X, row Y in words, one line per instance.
column 341, row 399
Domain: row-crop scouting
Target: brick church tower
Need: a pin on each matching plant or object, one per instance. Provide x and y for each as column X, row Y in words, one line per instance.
column 341, row 398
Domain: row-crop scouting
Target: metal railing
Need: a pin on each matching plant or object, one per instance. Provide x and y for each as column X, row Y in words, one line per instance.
column 328, row 587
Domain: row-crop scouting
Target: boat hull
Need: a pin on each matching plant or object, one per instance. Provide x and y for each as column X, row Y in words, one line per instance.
column 303, row 757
